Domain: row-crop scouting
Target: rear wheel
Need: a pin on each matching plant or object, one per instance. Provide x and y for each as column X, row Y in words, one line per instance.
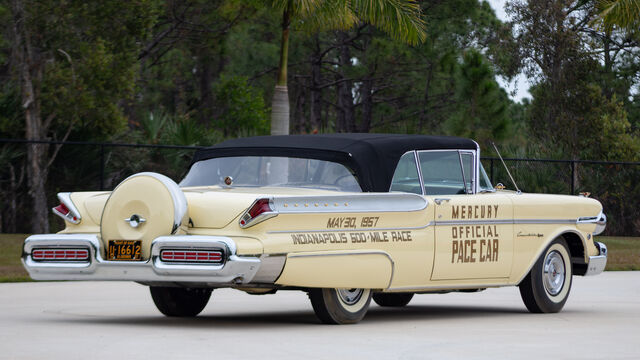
column 392, row 300
column 180, row 302
column 546, row 288
column 340, row 306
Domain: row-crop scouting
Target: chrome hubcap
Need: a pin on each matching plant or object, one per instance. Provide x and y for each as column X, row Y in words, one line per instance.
column 553, row 273
column 350, row 296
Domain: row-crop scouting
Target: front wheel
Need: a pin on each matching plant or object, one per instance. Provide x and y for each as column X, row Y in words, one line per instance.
column 340, row 306
column 180, row 302
column 546, row 288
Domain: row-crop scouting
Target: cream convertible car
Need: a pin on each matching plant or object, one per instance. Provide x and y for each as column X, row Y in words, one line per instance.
column 344, row 217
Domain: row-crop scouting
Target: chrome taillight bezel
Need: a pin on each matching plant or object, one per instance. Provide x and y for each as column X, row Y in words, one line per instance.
column 247, row 220
column 72, row 214
column 51, row 254
column 192, row 256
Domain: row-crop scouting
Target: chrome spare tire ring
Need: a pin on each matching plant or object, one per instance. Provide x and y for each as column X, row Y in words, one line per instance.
column 553, row 273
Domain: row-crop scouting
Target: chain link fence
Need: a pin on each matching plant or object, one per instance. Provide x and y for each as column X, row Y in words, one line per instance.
column 92, row 166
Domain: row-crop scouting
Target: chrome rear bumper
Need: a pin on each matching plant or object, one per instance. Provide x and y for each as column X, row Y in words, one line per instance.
column 597, row 263
column 234, row 270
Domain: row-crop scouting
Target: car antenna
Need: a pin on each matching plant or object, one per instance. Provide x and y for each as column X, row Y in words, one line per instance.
column 506, row 168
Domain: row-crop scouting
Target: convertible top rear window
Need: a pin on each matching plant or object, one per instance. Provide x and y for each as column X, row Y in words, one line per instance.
column 259, row 171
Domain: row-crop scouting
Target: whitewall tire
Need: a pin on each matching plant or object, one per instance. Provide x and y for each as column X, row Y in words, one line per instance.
column 546, row 288
column 340, row 306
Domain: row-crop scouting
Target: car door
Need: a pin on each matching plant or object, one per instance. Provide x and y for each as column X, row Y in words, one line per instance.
column 473, row 231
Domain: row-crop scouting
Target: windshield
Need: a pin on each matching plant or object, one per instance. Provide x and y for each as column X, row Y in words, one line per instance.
column 258, row 171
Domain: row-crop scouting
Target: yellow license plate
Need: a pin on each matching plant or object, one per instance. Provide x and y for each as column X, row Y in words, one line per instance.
column 128, row 250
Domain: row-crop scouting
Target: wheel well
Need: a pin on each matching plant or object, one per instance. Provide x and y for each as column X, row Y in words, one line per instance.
column 576, row 251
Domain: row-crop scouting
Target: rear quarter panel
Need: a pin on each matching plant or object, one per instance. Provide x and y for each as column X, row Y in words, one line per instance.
column 379, row 248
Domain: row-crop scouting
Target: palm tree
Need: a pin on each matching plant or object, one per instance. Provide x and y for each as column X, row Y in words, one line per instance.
column 623, row 13
column 401, row 19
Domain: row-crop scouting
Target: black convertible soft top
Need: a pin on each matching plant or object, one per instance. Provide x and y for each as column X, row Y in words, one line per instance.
column 373, row 157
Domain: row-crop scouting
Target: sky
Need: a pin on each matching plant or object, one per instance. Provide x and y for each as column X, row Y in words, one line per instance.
column 518, row 88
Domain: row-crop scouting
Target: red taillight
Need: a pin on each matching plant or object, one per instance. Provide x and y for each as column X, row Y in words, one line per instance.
column 259, row 207
column 60, row 254
column 195, row 256
column 66, row 209
column 62, row 209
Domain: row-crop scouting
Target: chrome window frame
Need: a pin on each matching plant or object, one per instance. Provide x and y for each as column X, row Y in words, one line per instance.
column 416, row 164
column 475, row 155
column 475, row 166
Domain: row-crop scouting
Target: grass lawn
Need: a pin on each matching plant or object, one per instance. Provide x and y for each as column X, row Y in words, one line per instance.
column 11, row 269
column 624, row 254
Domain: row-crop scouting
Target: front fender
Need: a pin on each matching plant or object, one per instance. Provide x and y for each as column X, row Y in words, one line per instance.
column 587, row 248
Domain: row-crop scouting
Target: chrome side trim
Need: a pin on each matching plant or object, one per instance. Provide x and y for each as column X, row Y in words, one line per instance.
column 179, row 200
column 545, row 221
column 350, row 230
column 247, row 221
column 432, row 223
column 372, row 252
column 516, row 221
column 597, row 263
column 366, row 202
column 472, row 222
column 600, row 220
column 449, row 287
column 234, row 271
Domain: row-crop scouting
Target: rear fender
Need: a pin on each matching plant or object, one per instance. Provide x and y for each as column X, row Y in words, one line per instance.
column 368, row 269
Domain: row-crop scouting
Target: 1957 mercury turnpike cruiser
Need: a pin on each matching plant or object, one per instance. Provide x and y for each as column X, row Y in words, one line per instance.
column 344, row 217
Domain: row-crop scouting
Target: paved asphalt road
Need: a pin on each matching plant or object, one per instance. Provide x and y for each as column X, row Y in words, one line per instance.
column 73, row 320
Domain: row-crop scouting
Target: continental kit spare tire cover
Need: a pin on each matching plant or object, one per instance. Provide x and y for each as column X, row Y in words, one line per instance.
column 142, row 207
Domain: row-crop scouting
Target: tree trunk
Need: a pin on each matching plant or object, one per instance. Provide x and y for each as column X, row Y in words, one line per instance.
column 280, row 102
column 30, row 71
column 425, row 117
column 280, row 111
column 608, row 64
column 206, row 97
column 299, row 123
column 367, row 106
column 36, row 159
column 346, row 121
column 315, row 101
column 12, row 218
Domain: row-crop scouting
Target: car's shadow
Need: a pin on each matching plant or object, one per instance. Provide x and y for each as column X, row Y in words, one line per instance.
column 298, row 317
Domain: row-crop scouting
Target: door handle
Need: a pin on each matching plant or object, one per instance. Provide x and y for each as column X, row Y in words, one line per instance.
column 441, row 200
